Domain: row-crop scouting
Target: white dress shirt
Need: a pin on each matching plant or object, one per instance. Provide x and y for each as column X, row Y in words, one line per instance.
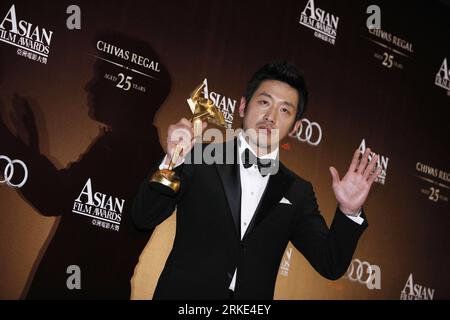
column 253, row 185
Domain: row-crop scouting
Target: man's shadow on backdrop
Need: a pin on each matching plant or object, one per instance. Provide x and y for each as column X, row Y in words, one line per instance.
column 113, row 166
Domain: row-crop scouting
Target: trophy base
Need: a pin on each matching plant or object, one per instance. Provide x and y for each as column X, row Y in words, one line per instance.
column 165, row 181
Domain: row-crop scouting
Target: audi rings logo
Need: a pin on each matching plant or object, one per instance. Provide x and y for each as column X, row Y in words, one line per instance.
column 364, row 273
column 8, row 172
column 309, row 132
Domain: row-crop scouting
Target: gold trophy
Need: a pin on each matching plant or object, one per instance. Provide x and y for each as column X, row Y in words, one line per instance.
column 203, row 110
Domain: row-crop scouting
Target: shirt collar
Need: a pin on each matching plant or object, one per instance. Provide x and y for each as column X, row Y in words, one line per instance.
column 243, row 144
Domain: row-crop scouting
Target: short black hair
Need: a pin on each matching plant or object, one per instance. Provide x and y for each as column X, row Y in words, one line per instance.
column 283, row 71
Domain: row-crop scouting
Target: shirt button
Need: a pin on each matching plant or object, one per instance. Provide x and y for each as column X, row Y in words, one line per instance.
column 245, row 223
column 252, row 193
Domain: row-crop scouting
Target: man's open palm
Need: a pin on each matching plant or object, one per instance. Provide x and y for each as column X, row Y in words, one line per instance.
column 351, row 192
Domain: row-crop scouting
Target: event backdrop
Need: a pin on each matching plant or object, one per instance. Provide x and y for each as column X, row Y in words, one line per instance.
column 82, row 84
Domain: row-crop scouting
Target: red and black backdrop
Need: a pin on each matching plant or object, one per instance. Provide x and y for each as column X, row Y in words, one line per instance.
column 84, row 111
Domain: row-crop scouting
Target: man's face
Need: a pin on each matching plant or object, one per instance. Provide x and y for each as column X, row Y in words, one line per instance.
column 272, row 107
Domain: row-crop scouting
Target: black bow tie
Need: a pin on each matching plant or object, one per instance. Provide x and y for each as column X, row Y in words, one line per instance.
column 249, row 159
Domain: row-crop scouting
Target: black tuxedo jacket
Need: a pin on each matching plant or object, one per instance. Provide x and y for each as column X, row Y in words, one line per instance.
column 208, row 247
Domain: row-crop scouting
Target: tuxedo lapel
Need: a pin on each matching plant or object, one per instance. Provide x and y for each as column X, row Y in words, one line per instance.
column 231, row 181
column 275, row 189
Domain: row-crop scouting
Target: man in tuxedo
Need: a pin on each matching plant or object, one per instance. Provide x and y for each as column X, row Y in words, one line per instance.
column 235, row 218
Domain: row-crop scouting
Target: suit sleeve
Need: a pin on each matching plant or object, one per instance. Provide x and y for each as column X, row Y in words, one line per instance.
column 152, row 206
column 329, row 251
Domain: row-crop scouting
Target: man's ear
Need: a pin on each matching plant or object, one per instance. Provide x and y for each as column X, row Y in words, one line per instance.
column 295, row 128
column 242, row 106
